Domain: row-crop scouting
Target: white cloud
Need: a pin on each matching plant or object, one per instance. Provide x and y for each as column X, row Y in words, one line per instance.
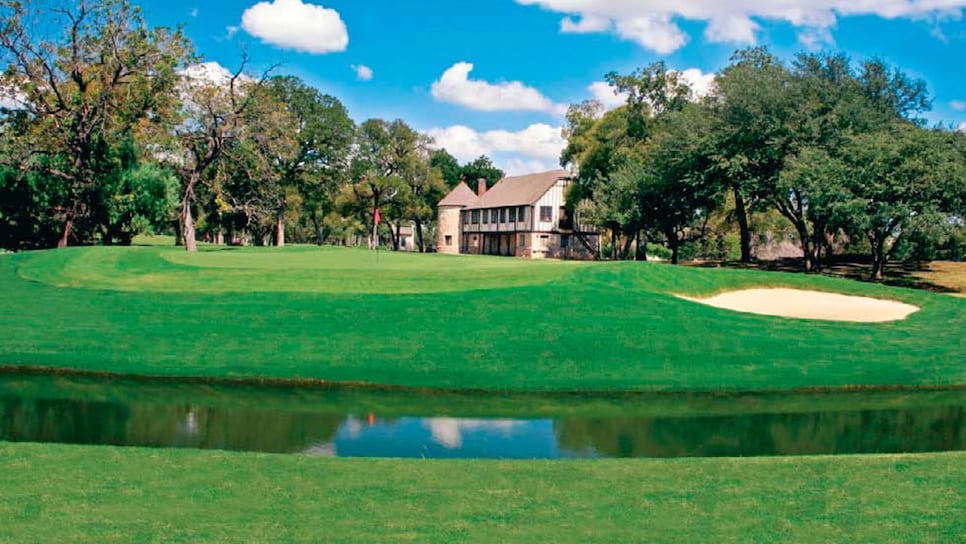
column 654, row 23
column 731, row 29
column 292, row 24
column 363, row 72
column 957, row 105
column 961, row 127
column 604, row 93
column 655, row 32
column 12, row 98
column 518, row 167
column 538, row 141
column 230, row 31
column 700, row 82
column 193, row 12
column 816, row 38
column 210, row 73
column 701, row 85
column 455, row 87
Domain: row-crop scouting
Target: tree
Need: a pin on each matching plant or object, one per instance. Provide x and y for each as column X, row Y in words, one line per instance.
column 750, row 106
column 215, row 104
column 383, row 152
column 89, row 73
column 894, row 176
column 481, row 168
column 448, row 166
column 426, row 187
column 324, row 134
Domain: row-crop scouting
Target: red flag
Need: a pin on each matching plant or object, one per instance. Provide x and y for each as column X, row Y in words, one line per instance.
column 377, row 218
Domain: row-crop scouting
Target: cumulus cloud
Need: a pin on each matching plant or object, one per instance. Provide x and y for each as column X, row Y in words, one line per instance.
column 655, row 32
column 602, row 92
column 731, row 29
column 701, row 85
column 654, row 23
column 291, row 24
column 12, row 98
column 363, row 72
column 208, row 73
column 538, row 141
column 456, row 87
column 958, row 105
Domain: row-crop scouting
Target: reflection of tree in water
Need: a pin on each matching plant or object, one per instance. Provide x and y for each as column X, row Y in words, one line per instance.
column 68, row 421
column 887, row 431
column 148, row 424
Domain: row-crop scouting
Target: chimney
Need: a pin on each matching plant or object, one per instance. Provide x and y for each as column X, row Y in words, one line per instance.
column 481, row 187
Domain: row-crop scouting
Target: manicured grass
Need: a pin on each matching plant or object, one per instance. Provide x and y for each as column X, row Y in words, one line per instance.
column 451, row 322
column 54, row 493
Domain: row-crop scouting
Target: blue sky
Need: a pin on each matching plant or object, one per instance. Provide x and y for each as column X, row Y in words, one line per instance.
column 530, row 58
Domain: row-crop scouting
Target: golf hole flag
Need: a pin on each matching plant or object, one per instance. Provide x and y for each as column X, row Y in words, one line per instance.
column 376, row 217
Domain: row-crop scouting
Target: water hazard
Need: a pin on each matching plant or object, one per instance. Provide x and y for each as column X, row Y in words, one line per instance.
column 366, row 423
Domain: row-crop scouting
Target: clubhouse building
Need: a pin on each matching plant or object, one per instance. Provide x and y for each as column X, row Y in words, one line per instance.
column 521, row 216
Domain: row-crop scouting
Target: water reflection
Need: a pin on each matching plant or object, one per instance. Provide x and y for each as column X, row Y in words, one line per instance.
column 198, row 417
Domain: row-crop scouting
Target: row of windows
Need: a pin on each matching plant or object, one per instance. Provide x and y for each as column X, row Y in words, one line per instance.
column 504, row 215
column 495, row 215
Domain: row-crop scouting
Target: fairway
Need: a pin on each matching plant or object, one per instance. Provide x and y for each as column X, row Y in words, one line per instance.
column 55, row 493
column 339, row 315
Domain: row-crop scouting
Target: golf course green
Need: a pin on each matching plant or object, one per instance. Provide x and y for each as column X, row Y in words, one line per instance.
column 434, row 321
column 444, row 330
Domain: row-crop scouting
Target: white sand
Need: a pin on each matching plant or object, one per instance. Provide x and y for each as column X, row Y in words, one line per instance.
column 810, row 305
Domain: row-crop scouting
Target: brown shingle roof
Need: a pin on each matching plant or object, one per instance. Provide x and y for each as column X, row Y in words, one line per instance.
column 461, row 196
column 519, row 190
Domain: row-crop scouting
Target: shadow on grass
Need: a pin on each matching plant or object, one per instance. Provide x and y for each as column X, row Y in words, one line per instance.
column 853, row 267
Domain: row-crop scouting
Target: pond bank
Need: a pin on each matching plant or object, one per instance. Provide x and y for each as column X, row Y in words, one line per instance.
column 53, row 493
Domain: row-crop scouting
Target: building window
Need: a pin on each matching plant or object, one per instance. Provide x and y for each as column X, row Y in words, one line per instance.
column 502, row 215
column 496, row 216
column 466, row 217
column 476, row 217
column 522, row 215
column 546, row 213
column 523, row 241
column 486, row 216
column 564, row 241
column 449, row 240
column 513, row 215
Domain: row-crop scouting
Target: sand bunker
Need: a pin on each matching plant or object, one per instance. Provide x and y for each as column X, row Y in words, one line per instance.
column 810, row 305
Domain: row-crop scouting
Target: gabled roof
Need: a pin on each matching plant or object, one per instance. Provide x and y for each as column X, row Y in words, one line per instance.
column 461, row 196
column 519, row 190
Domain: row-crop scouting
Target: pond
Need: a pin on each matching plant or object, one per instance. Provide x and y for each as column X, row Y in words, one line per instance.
column 356, row 422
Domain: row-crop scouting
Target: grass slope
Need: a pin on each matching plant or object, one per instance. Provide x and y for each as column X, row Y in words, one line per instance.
column 82, row 494
column 438, row 321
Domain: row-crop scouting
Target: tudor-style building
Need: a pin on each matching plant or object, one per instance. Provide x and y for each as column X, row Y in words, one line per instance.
column 522, row 216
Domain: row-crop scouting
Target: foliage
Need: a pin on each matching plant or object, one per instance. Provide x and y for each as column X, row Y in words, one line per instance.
column 91, row 75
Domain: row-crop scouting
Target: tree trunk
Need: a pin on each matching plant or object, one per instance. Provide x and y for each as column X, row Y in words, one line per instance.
column 626, row 250
column 878, row 257
column 65, row 234
column 419, row 236
column 643, row 247
column 741, row 213
column 188, row 224
column 613, row 244
column 280, row 228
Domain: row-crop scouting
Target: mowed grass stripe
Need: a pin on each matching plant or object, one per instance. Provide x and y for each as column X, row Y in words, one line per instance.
column 573, row 327
column 54, row 493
